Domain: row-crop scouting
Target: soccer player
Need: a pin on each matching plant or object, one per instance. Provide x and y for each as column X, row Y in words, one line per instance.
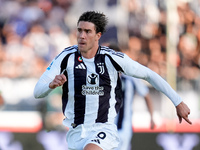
column 130, row 86
column 1, row 100
column 89, row 74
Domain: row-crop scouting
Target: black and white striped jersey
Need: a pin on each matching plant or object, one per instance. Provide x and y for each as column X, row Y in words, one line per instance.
column 92, row 92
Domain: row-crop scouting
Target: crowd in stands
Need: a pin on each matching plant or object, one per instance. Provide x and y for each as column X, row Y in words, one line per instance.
column 33, row 32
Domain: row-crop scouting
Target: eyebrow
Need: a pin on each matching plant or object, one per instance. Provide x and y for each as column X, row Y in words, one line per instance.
column 84, row 29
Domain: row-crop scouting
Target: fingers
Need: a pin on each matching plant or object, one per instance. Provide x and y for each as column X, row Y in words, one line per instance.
column 186, row 117
column 182, row 112
column 180, row 118
column 63, row 77
column 58, row 81
column 188, row 120
column 152, row 124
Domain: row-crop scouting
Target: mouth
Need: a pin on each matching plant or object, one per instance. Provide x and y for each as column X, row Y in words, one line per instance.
column 81, row 43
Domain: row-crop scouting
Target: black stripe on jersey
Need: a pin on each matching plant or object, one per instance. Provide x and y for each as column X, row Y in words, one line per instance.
column 80, row 99
column 121, row 109
column 118, row 96
column 120, row 54
column 104, row 81
column 65, row 85
column 117, row 67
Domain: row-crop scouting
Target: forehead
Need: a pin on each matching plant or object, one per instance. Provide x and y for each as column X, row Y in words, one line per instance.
column 86, row 25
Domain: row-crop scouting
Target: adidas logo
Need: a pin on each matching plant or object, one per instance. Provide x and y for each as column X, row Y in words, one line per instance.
column 96, row 140
column 80, row 66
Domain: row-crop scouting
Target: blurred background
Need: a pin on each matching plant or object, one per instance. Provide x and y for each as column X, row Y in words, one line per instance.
column 163, row 35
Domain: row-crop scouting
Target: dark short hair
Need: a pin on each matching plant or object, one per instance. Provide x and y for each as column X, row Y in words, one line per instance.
column 97, row 18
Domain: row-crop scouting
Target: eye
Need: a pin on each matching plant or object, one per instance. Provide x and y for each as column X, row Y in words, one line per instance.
column 88, row 31
column 79, row 30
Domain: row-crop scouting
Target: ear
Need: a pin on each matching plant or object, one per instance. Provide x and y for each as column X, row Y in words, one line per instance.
column 98, row 35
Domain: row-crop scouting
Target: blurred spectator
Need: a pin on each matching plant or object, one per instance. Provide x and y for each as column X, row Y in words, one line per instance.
column 135, row 46
column 188, row 48
column 157, row 57
column 39, row 41
column 188, row 52
column 59, row 39
column 38, row 30
column 32, row 32
column 1, row 100
column 186, row 141
column 8, row 142
column 57, row 139
column 41, row 29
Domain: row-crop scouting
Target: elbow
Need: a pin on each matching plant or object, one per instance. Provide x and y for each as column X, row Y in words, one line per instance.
column 41, row 90
column 36, row 94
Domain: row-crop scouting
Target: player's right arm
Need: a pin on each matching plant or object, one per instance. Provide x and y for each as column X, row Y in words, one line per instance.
column 50, row 79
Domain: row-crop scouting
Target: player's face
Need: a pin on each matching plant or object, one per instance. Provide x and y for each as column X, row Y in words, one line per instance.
column 87, row 37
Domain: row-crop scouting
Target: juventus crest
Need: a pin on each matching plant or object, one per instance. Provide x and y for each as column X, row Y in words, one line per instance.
column 101, row 67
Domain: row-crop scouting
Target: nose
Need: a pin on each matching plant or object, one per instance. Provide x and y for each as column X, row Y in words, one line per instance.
column 82, row 35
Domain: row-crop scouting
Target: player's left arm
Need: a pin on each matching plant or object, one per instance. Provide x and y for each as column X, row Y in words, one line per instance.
column 139, row 71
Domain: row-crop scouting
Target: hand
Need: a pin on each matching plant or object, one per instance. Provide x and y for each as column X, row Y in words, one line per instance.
column 182, row 112
column 1, row 100
column 152, row 123
column 58, row 81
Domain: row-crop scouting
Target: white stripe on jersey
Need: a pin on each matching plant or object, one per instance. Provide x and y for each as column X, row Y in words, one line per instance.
column 69, row 110
column 92, row 101
column 113, row 76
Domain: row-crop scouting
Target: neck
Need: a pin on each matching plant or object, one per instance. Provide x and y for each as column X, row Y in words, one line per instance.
column 91, row 53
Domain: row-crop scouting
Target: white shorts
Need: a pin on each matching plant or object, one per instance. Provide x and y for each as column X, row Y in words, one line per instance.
column 102, row 134
column 125, row 139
